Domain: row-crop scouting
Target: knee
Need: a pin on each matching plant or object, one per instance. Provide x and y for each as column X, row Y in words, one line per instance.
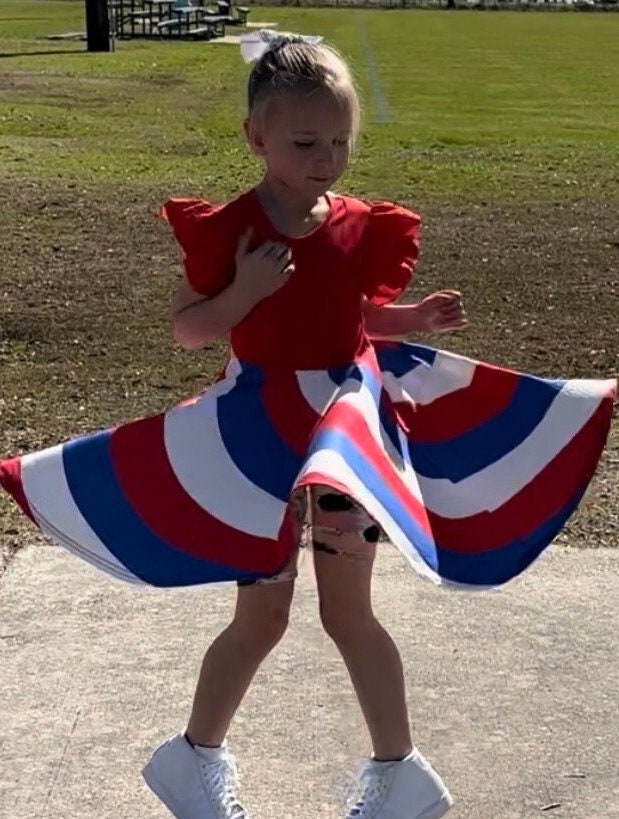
column 345, row 625
column 263, row 632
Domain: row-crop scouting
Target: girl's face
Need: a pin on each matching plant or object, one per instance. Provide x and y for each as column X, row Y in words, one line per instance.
column 304, row 141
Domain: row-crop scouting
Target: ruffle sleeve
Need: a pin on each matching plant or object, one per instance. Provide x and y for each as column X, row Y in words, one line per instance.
column 391, row 251
column 207, row 246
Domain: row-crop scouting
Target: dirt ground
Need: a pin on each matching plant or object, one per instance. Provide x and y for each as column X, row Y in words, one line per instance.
column 87, row 274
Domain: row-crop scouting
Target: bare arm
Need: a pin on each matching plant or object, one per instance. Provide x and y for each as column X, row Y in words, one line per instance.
column 196, row 319
column 439, row 313
column 391, row 320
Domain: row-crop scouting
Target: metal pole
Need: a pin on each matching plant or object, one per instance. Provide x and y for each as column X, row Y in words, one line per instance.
column 97, row 25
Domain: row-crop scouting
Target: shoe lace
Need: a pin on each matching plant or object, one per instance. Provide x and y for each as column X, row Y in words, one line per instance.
column 222, row 782
column 368, row 793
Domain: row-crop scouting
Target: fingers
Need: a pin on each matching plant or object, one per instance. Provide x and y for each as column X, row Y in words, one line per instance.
column 277, row 253
column 449, row 299
column 274, row 250
column 446, row 304
column 263, row 269
column 453, row 311
column 447, row 324
column 450, row 303
column 274, row 254
column 280, row 252
column 451, row 314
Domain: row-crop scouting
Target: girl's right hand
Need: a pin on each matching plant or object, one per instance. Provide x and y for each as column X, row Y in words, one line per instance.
column 261, row 272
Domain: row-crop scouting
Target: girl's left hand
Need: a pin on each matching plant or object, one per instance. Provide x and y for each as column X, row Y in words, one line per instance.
column 442, row 312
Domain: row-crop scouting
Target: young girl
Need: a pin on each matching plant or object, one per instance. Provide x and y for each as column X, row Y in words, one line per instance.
column 315, row 434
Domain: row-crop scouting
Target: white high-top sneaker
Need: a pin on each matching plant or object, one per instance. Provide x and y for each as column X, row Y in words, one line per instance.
column 409, row 789
column 193, row 787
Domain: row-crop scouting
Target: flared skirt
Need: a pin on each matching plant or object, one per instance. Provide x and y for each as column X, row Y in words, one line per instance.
column 470, row 469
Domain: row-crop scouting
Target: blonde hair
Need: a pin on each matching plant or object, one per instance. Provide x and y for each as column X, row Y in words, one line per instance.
column 294, row 65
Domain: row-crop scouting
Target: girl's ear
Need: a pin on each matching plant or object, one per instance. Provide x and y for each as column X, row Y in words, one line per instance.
column 254, row 137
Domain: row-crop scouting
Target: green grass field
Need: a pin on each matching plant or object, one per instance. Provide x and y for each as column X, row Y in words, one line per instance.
column 475, row 106
column 501, row 128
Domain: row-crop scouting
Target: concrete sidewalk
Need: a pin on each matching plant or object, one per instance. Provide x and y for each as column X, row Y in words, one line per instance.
column 514, row 695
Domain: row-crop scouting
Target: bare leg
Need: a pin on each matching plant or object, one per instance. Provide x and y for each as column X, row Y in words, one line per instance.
column 371, row 657
column 260, row 620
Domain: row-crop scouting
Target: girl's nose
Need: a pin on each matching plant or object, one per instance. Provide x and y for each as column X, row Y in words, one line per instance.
column 327, row 158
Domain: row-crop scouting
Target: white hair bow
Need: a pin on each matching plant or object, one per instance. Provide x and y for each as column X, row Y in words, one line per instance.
column 254, row 45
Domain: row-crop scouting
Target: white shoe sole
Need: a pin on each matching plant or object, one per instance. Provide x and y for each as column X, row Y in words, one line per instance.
column 150, row 777
column 162, row 793
column 438, row 809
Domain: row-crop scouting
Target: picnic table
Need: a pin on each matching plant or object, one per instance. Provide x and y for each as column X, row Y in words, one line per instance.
column 237, row 15
column 190, row 21
column 175, row 18
column 159, row 8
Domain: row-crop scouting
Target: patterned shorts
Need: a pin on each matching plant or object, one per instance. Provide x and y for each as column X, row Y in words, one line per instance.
column 329, row 522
